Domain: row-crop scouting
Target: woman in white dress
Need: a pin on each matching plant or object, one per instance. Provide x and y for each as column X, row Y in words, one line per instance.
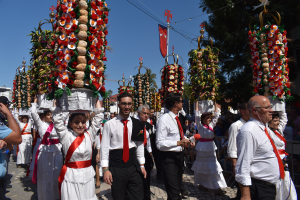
column 77, row 175
column 36, row 143
column 24, row 149
column 207, row 170
column 49, row 157
column 285, row 189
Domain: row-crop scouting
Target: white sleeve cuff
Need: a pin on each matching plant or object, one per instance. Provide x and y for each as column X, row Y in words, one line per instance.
column 246, row 181
column 104, row 163
column 232, row 154
column 141, row 160
column 173, row 143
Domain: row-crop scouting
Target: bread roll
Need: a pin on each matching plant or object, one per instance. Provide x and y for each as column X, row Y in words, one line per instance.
column 79, row 75
column 78, row 84
column 81, row 67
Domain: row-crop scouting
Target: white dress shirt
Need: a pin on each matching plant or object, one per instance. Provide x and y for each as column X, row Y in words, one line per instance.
column 112, row 138
column 167, row 133
column 232, row 132
column 256, row 157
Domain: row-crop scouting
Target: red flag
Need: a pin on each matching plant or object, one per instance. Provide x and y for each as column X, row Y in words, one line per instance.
column 163, row 34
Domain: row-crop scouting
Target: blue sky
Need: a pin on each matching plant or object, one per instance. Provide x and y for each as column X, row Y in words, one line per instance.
column 131, row 34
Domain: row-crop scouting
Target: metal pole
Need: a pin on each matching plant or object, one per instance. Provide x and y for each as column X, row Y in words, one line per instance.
column 168, row 42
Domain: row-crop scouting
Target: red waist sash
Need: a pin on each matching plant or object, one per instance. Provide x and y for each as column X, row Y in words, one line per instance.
column 205, row 140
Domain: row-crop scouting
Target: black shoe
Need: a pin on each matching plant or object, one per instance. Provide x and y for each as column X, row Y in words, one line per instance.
column 8, row 186
column 185, row 193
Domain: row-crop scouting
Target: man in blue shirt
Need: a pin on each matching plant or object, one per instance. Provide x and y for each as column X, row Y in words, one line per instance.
column 10, row 135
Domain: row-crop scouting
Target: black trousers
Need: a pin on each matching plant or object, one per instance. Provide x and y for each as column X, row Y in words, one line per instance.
column 261, row 190
column 148, row 168
column 126, row 180
column 172, row 169
column 155, row 153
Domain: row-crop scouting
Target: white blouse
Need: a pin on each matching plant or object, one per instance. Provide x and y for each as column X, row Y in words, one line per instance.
column 84, row 151
column 277, row 141
column 42, row 128
column 22, row 125
column 206, row 133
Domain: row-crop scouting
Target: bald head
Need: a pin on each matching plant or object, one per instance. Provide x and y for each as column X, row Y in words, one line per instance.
column 260, row 108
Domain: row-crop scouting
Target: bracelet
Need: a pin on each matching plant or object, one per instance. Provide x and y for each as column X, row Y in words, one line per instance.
column 142, row 166
column 105, row 170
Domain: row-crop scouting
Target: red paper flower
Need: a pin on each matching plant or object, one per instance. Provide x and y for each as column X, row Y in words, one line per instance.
column 57, row 62
column 92, row 30
column 94, row 16
column 64, row 8
column 56, row 83
column 70, row 82
column 91, row 38
column 96, row 84
column 74, row 65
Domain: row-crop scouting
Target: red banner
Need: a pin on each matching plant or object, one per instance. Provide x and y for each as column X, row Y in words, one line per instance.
column 163, row 35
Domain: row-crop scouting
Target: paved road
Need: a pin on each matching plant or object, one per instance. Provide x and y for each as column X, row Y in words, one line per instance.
column 23, row 189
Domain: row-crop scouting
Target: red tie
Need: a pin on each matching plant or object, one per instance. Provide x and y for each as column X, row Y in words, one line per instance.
column 151, row 122
column 180, row 128
column 145, row 136
column 125, row 142
column 281, row 168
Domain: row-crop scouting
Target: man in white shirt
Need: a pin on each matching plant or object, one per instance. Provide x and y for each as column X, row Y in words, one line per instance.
column 257, row 168
column 122, row 152
column 170, row 141
column 233, row 131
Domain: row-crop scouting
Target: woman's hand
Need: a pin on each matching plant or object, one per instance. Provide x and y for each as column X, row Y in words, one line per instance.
column 98, row 104
column 35, row 99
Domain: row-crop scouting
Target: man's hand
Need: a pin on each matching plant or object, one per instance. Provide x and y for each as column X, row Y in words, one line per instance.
column 3, row 144
column 4, row 109
column 183, row 142
column 151, row 155
column 144, row 172
column 107, row 177
column 193, row 144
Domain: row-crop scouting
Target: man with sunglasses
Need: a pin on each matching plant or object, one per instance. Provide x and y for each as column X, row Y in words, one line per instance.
column 122, row 151
column 258, row 167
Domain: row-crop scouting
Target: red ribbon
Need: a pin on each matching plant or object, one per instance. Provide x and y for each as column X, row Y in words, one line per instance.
column 77, row 164
column 45, row 141
column 281, row 168
column 208, row 127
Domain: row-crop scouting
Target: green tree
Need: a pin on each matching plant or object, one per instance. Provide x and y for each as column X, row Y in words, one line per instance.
column 229, row 28
column 152, row 82
column 186, row 91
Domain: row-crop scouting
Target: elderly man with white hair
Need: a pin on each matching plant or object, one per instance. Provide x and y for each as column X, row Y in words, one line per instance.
column 143, row 115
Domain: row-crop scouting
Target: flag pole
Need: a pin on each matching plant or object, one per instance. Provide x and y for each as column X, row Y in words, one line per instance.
column 168, row 42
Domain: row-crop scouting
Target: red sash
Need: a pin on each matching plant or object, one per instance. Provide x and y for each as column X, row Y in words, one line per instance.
column 22, row 133
column 281, row 151
column 45, row 141
column 76, row 165
column 281, row 168
column 205, row 140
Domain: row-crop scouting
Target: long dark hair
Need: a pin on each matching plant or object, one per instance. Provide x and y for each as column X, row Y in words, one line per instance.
column 72, row 117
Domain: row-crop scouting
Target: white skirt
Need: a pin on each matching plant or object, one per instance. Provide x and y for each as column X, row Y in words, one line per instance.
column 285, row 189
column 24, row 154
column 78, row 191
column 208, row 171
column 48, row 169
column 31, row 168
